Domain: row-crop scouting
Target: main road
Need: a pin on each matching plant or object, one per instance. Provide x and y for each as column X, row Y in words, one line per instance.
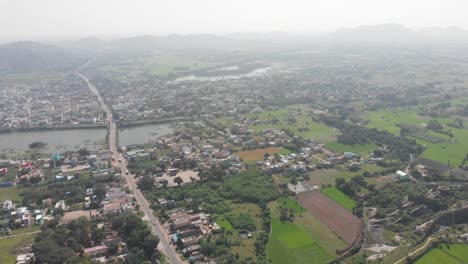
column 112, row 144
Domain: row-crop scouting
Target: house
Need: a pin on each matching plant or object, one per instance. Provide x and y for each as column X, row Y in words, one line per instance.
column 186, row 251
column 188, row 241
column 114, row 194
column 403, row 176
column 94, row 252
column 61, row 204
column 127, row 208
column 25, row 259
column 7, row 206
column 111, row 209
column 22, row 211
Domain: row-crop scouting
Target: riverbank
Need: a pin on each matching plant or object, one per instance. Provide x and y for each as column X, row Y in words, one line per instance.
column 156, row 121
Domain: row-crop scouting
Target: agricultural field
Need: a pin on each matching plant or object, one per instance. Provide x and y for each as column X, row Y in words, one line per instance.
column 453, row 253
column 11, row 193
column 305, row 240
column 453, row 149
column 363, row 150
column 9, row 247
column 328, row 176
column 336, row 217
column 339, row 197
column 259, row 154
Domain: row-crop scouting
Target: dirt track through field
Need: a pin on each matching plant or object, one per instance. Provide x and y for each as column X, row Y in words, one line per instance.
column 345, row 224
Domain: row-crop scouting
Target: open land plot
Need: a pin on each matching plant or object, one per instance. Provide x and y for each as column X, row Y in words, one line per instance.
column 339, row 197
column 453, row 149
column 290, row 244
column 328, row 176
column 336, row 217
column 9, row 247
column 305, row 240
column 259, row 154
column 359, row 149
column 246, row 247
column 11, row 193
column 303, row 126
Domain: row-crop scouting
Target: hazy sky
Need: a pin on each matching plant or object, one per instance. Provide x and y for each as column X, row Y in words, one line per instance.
column 40, row 19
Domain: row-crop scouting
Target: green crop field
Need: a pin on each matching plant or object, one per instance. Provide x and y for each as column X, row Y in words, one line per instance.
column 359, row 149
column 447, row 254
column 10, row 193
column 339, row 197
column 453, row 149
column 9, row 247
column 290, row 244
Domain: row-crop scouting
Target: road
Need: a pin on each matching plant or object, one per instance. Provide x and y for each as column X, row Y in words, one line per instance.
column 130, row 179
column 417, row 250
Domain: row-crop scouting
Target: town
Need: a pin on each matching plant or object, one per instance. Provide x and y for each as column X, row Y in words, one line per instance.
column 259, row 154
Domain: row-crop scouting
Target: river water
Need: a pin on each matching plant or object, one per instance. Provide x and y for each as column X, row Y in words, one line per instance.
column 92, row 139
column 143, row 134
column 57, row 140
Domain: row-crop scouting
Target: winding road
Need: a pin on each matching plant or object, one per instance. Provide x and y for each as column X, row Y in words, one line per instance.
column 112, row 144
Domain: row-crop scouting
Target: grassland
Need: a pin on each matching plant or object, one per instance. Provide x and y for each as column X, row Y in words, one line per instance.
column 11, row 193
column 359, row 149
column 278, row 119
column 258, row 154
column 305, row 240
column 223, row 222
column 303, row 126
column 9, row 247
column 328, row 176
column 339, row 197
column 453, row 149
column 455, row 253
column 246, row 247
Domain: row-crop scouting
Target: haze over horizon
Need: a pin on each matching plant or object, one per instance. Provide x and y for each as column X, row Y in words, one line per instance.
column 61, row 20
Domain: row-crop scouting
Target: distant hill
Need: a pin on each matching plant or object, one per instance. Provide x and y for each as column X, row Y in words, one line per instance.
column 395, row 33
column 31, row 57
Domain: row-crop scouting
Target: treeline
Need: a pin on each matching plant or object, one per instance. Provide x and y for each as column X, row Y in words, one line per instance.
column 351, row 134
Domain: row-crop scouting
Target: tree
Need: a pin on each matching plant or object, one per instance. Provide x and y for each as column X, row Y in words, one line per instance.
column 146, row 183
column 149, row 245
column 113, row 248
column 178, row 180
column 83, row 152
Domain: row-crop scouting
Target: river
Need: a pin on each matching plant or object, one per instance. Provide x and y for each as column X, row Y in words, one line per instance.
column 57, row 140
column 92, row 139
column 143, row 134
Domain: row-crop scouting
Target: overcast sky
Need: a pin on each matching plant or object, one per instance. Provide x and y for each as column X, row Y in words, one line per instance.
column 42, row 19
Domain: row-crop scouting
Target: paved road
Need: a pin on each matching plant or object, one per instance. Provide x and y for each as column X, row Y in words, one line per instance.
column 112, row 143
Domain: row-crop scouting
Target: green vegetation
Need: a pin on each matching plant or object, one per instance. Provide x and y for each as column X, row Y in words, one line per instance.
column 291, row 244
column 9, row 247
column 300, row 125
column 11, row 193
column 451, row 148
column 446, row 253
column 339, row 197
column 223, row 222
column 251, row 186
column 359, row 149
column 242, row 221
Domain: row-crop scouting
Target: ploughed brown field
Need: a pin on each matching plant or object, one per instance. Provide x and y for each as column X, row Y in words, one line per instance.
column 257, row 154
column 340, row 220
